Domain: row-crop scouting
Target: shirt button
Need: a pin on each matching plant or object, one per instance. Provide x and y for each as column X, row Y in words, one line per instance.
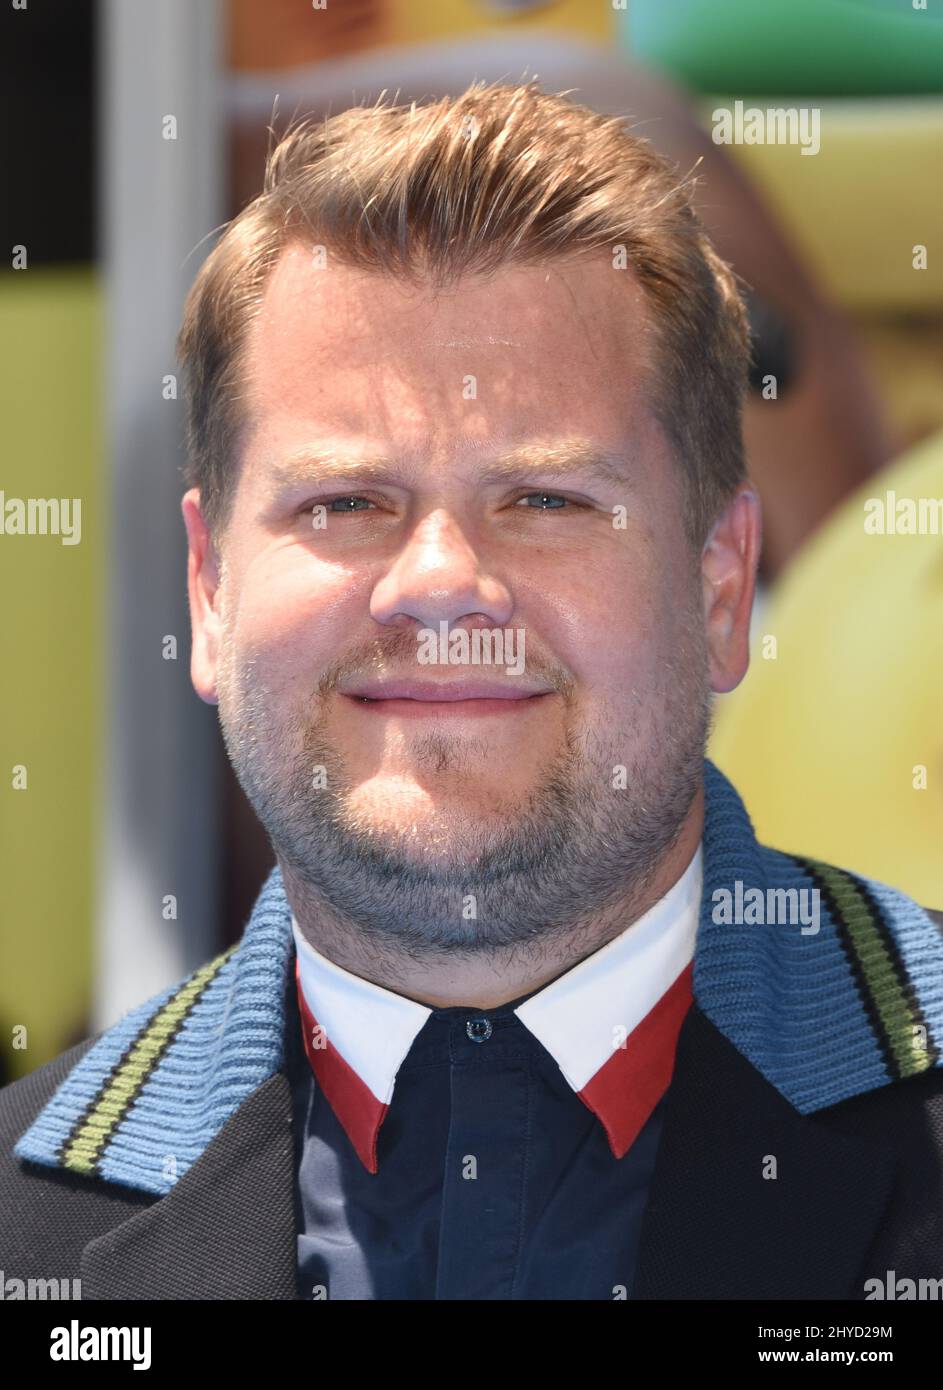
column 478, row 1029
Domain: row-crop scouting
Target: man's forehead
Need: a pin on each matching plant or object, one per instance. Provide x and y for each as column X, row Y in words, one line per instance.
column 504, row 305
column 339, row 339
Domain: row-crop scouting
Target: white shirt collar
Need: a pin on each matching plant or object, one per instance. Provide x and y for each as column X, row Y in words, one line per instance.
column 582, row 1018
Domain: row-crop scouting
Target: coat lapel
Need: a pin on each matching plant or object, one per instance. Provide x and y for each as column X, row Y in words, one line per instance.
column 225, row 1231
column 228, row 1228
column 715, row 1227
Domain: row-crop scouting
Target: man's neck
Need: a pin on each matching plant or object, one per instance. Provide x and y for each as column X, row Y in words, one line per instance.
column 479, row 980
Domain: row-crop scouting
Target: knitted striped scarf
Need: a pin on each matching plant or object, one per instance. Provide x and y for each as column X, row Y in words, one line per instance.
column 824, row 1013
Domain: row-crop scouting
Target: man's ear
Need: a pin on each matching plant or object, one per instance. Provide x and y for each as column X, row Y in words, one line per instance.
column 203, row 576
column 728, row 568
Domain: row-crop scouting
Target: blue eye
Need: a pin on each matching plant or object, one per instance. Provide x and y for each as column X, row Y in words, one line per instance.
column 553, row 498
column 346, row 503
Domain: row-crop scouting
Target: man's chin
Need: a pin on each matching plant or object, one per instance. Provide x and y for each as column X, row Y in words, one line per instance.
column 439, row 841
column 424, row 810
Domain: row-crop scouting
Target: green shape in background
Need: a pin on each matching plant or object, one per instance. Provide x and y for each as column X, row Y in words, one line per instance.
column 51, row 694
column 797, row 47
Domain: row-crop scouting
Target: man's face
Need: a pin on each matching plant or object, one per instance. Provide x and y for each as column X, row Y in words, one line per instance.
column 475, row 822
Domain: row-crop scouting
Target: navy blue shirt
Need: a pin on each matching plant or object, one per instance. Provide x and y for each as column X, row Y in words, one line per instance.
column 494, row 1179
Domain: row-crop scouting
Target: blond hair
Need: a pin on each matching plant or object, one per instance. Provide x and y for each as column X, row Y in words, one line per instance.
column 499, row 176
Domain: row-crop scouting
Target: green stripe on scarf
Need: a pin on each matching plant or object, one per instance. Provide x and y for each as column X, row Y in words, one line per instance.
column 85, row 1144
column 874, row 956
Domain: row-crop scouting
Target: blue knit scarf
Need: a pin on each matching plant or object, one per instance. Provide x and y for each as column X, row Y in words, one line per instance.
column 829, row 983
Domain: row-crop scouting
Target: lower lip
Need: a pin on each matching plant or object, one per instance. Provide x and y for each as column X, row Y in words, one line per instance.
column 454, row 709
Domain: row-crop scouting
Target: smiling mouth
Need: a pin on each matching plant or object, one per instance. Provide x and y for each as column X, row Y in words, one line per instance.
column 448, row 706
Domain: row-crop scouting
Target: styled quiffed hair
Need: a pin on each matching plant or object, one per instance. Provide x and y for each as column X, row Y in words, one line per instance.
column 500, row 176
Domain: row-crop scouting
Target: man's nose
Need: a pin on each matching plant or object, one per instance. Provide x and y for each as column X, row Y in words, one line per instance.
column 439, row 576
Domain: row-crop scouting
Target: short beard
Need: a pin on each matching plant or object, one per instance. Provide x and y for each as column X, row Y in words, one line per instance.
column 579, row 848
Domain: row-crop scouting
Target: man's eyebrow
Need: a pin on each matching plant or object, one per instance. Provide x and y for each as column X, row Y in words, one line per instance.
column 312, row 467
column 558, row 461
